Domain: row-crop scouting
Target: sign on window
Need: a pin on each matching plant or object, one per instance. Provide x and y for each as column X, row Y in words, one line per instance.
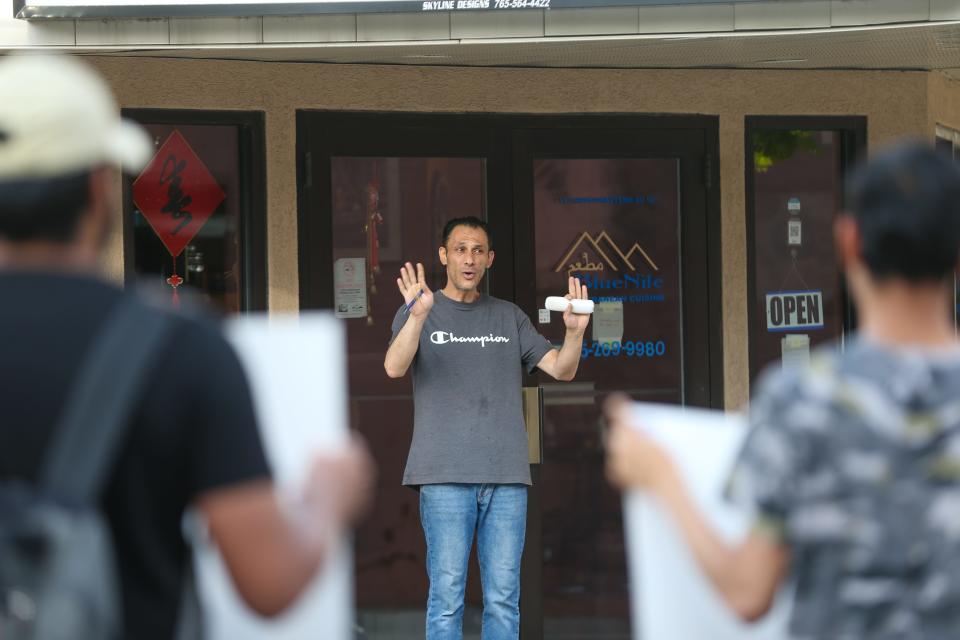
column 793, row 310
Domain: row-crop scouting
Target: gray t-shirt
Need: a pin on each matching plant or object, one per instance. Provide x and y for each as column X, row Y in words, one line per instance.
column 468, row 418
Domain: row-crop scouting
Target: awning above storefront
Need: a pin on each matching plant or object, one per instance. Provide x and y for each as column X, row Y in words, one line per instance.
column 926, row 47
column 765, row 34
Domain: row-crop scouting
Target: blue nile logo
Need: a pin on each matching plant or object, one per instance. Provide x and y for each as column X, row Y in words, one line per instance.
column 613, row 269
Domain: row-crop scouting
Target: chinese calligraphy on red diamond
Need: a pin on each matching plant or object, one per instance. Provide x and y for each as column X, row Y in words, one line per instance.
column 176, row 194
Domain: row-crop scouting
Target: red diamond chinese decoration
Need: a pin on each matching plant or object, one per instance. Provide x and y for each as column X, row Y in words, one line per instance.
column 176, row 194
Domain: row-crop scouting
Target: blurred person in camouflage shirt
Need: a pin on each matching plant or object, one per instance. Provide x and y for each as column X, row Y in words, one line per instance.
column 852, row 465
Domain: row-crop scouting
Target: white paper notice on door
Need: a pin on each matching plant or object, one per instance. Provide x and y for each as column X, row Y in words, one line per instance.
column 608, row 322
column 297, row 372
column 794, row 351
column 350, row 287
column 667, row 585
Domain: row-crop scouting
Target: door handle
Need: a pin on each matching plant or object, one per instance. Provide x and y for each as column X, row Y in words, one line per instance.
column 532, row 414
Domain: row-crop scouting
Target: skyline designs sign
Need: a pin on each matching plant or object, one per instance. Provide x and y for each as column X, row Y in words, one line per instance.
column 72, row 9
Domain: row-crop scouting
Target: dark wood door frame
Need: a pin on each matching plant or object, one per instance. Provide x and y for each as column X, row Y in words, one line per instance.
column 508, row 142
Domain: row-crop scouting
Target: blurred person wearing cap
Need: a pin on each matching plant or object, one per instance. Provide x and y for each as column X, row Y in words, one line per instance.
column 852, row 465
column 193, row 440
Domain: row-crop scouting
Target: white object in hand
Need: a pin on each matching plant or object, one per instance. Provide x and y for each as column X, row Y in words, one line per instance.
column 559, row 303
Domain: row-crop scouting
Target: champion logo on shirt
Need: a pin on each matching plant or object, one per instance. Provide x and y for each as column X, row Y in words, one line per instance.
column 445, row 337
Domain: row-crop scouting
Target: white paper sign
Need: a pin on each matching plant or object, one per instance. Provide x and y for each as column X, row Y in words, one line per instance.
column 671, row 598
column 350, row 288
column 794, row 351
column 608, row 322
column 297, row 372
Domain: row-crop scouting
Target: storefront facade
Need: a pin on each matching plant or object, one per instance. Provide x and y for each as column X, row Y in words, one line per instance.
column 697, row 202
column 894, row 104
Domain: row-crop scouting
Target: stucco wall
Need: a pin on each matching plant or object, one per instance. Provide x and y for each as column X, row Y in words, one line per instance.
column 895, row 104
column 944, row 101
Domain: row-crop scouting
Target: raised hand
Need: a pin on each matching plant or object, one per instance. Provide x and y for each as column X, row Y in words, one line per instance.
column 576, row 321
column 412, row 283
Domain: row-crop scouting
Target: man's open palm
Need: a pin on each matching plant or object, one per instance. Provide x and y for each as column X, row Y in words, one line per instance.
column 576, row 321
column 411, row 282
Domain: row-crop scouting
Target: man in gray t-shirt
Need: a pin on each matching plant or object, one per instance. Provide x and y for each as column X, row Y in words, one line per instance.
column 469, row 451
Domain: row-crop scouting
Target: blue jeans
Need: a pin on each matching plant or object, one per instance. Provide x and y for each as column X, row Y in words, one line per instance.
column 450, row 514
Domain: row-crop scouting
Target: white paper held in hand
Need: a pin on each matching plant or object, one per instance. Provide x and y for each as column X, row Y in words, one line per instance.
column 667, row 585
column 296, row 367
column 559, row 303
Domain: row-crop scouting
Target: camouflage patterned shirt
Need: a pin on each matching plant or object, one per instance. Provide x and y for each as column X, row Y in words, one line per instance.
column 855, row 464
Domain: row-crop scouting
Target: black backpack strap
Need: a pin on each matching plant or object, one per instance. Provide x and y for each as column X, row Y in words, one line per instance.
column 100, row 404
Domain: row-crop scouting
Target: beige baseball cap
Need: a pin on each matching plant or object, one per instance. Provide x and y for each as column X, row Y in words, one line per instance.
column 57, row 117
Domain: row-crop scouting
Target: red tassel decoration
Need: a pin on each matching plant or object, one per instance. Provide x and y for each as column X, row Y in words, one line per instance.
column 175, row 281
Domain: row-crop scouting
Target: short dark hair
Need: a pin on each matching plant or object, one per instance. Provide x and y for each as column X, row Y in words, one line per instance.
column 466, row 221
column 44, row 208
column 906, row 204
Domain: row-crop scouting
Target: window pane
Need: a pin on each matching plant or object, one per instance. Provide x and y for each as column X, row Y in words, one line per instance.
column 797, row 192
column 184, row 212
column 615, row 224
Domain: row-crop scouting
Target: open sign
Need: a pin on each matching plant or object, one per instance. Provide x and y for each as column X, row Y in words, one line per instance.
column 792, row 310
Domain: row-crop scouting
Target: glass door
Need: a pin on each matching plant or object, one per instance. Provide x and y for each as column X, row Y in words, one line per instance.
column 378, row 191
column 388, row 210
column 627, row 213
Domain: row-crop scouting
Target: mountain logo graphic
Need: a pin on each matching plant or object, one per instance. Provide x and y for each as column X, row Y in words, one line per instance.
column 603, row 246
